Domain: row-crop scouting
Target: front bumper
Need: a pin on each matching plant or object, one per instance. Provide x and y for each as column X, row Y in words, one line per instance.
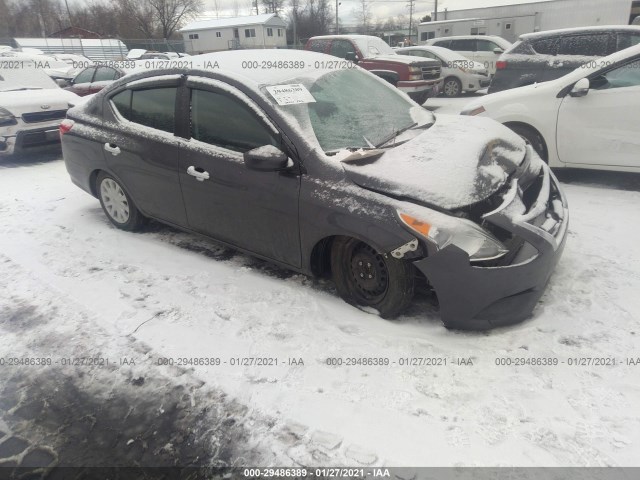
column 24, row 140
column 481, row 297
column 419, row 86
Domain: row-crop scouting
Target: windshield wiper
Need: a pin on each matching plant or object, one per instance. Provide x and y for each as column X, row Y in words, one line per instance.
column 351, row 149
column 22, row 88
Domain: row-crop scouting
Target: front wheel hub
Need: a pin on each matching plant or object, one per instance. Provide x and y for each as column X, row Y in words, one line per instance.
column 369, row 272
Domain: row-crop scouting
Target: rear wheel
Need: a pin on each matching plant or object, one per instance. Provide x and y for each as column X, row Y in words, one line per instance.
column 533, row 138
column 365, row 277
column 452, row 87
column 117, row 204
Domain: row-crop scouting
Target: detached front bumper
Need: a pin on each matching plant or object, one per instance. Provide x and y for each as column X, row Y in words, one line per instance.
column 483, row 297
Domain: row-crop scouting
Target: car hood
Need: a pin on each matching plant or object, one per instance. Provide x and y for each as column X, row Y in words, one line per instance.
column 404, row 59
column 27, row 101
column 457, row 162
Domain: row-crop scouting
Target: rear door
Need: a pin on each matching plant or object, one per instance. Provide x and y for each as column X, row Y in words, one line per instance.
column 256, row 211
column 603, row 127
column 103, row 77
column 465, row 47
column 576, row 50
column 142, row 150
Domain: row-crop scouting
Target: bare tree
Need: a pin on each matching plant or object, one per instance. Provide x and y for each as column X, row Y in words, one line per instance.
column 273, row 6
column 364, row 16
column 169, row 14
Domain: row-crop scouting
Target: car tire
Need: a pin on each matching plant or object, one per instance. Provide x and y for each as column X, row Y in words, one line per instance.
column 364, row 277
column 117, row 204
column 452, row 87
column 533, row 138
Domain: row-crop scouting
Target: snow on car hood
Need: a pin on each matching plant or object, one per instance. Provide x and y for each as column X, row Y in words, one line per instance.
column 457, row 162
column 26, row 101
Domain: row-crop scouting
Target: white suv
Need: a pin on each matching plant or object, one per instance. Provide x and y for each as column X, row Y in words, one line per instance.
column 484, row 49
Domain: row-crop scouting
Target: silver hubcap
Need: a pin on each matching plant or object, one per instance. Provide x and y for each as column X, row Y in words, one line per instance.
column 114, row 200
column 451, row 88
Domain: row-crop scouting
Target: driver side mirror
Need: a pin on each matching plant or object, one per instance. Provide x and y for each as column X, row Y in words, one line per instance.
column 352, row 56
column 581, row 88
column 63, row 83
column 266, row 159
column 498, row 51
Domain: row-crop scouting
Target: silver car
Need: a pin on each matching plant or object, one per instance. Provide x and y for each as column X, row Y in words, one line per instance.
column 459, row 73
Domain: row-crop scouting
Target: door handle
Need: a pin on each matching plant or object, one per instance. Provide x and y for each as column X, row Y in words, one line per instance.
column 112, row 148
column 200, row 176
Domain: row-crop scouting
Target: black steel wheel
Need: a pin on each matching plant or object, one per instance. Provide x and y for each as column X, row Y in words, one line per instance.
column 365, row 277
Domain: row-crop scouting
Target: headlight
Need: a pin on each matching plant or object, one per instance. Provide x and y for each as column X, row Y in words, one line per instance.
column 415, row 69
column 463, row 69
column 6, row 117
column 473, row 111
column 443, row 230
column 415, row 77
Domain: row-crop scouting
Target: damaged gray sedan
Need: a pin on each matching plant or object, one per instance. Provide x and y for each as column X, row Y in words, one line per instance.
column 327, row 170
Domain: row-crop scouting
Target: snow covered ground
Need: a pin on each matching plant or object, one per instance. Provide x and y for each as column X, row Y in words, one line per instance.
column 73, row 285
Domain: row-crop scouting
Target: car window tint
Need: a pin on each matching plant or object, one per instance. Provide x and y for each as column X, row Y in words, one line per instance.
column 625, row 76
column 584, row 45
column 104, row 74
column 221, row 120
column 443, row 43
column 463, row 45
column 523, row 48
column 122, row 102
column 318, row 45
column 340, row 48
column 546, row 46
column 154, row 108
column 626, row 40
column 85, row 76
column 486, row 46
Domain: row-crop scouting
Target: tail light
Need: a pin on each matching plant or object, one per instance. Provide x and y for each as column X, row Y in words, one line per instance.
column 65, row 126
column 501, row 65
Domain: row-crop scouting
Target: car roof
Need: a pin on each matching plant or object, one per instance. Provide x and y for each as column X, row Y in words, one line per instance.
column 577, row 30
column 443, row 52
column 243, row 65
column 470, row 37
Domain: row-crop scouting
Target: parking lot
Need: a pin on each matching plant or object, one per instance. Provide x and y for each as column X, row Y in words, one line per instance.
column 148, row 345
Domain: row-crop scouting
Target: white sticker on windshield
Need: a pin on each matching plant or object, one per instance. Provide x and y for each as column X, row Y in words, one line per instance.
column 291, row 94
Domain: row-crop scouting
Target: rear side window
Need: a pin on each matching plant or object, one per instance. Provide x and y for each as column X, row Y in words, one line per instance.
column 585, row 45
column 222, row 120
column 153, row 108
column 85, row 76
column 486, row 46
column 546, row 46
column 463, row 45
column 318, row 45
column 522, row 48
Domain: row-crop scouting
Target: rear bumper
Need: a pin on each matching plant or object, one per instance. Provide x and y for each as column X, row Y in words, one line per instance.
column 479, row 298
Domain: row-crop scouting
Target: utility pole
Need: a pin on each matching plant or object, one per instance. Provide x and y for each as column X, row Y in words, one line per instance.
column 435, row 13
column 411, row 2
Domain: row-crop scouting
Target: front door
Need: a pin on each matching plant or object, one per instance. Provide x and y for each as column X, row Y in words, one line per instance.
column 253, row 210
column 603, row 127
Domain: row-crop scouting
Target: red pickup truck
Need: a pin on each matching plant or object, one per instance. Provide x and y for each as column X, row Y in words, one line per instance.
column 420, row 78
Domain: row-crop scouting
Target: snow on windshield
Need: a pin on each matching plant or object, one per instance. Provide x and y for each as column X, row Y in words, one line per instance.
column 353, row 109
column 24, row 78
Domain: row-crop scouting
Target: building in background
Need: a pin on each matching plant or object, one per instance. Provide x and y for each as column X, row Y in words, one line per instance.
column 511, row 21
column 256, row 31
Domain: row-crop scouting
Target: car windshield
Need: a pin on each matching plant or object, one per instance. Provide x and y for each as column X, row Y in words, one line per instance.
column 353, row 109
column 24, row 79
column 373, row 46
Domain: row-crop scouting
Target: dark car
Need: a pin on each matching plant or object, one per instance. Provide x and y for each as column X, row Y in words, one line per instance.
column 293, row 165
column 420, row 78
column 543, row 56
column 95, row 77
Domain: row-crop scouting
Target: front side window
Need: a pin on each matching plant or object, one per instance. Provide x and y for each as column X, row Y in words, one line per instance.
column 222, row 120
column 486, row 46
column 249, row 32
column 625, row 76
column 153, row 107
column 443, row 43
column 104, row 74
column 585, row 45
column 318, row 45
column 340, row 48
column 85, row 76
